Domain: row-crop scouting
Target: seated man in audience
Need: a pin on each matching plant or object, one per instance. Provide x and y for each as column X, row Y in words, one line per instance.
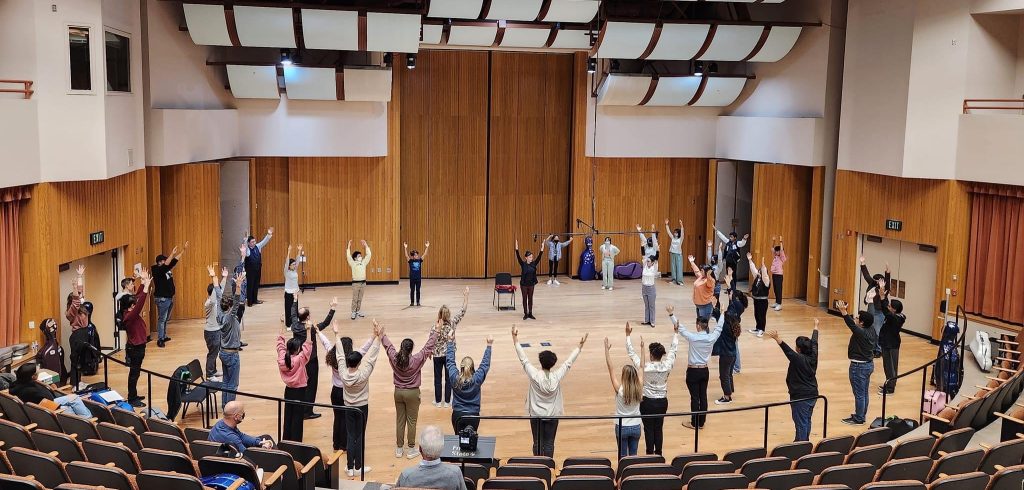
column 225, row 431
column 431, row 472
column 26, row 388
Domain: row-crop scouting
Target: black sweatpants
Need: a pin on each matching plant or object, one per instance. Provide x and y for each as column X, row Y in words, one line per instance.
column 544, row 431
column 356, row 435
column 891, row 366
column 527, row 299
column 725, row 367
column 654, row 428
column 553, row 268
column 441, row 381
column 760, row 313
column 289, row 298
column 294, row 415
column 252, row 283
column 414, row 290
column 312, row 375
column 340, row 438
column 697, row 385
column 777, row 286
column 133, row 355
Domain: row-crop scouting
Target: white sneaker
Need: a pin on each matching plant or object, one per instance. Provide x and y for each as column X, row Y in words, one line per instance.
column 437, row 404
column 399, row 451
column 777, row 308
column 353, row 315
column 610, row 288
column 360, row 314
column 753, row 331
column 447, row 405
column 215, row 379
column 351, row 472
column 358, row 471
column 557, row 283
column 549, row 282
column 412, row 453
column 760, row 333
column 604, row 287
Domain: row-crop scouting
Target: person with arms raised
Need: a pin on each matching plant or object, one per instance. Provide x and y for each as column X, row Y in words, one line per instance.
column 528, row 278
column 415, row 271
column 655, row 390
column 406, row 367
column 801, row 379
column 675, row 250
column 231, row 338
column 163, row 291
column 358, row 262
column 254, row 265
column 137, row 331
column 211, row 330
column 356, row 381
column 700, row 345
column 301, row 323
column 468, row 380
column 628, row 389
column 862, row 362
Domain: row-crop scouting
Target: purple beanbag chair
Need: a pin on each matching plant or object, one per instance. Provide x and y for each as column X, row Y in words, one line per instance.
column 629, row 270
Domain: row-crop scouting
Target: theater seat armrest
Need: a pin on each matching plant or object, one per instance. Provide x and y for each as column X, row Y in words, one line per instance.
column 1008, row 417
column 276, row 475
column 236, row 484
column 31, row 427
column 309, row 466
column 333, row 458
column 934, row 417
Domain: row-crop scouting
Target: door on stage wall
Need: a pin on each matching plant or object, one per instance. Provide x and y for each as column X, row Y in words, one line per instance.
column 734, row 205
column 103, row 273
column 913, row 268
column 234, row 209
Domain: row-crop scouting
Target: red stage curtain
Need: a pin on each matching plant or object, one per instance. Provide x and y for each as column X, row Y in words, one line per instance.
column 995, row 265
column 10, row 264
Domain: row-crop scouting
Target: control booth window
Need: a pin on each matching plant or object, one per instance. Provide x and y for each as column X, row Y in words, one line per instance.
column 118, row 52
column 78, row 47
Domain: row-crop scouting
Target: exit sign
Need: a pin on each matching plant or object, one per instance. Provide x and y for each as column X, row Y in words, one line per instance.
column 894, row 225
column 96, row 238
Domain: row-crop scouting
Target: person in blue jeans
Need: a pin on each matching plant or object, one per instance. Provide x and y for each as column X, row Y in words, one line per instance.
column 231, row 338
column 801, row 379
column 163, row 291
column 29, row 390
column 629, row 391
column 860, row 351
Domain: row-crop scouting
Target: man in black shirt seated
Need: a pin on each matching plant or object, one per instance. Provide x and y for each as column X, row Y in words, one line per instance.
column 28, row 390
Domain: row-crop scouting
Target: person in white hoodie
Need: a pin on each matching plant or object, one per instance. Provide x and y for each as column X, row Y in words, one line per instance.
column 544, row 398
column 356, row 381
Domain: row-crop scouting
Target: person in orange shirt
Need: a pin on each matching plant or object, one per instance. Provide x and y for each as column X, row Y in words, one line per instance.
column 703, row 288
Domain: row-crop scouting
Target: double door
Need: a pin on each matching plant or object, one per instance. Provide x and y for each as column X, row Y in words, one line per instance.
column 913, row 268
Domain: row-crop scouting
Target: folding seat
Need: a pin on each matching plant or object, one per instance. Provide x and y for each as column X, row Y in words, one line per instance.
column 578, row 460
column 871, row 437
column 696, row 468
column 167, row 461
column 103, row 452
column 1004, row 454
column 99, row 410
column 651, row 482
column 952, row 441
column 13, row 409
column 839, row 444
column 159, row 480
column 912, row 448
column 541, row 460
column 967, row 481
column 851, row 475
column 196, row 434
column 740, row 456
column 514, row 483
column 131, row 419
column 718, row 482
column 916, row 469
column 627, row 461
column 653, row 469
column 326, row 473
column 876, row 455
column 16, row 435
column 215, row 465
column 11, row 482
column 116, row 433
column 167, row 428
column 956, row 463
column 785, row 480
column 67, row 448
column 588, row 470
column 792, row 450
column 46, row 469
column 895, row 485
column 83, row 428
column 759, row 466
column 298, row 474
column 679, row 462
column 581, row 483
column 818, row 462
column 473, row 471
column 99, row 475
column 154, row 440
column 43, row 418
column 1010, row 478
column 538, row 471
column 202, row 449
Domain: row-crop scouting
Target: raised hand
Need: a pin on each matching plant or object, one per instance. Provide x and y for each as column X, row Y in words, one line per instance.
column 405, row 244
column 772, row 334
column 224, row 272
column 690, row 258
column 174, row 251
column 666, row 221
column 378, row 331
column 80, row 270
column 515, row 333
column 209, row 270
column 816, row 322
column 465, row 292
column 270, row 231
column 299, row 247
column 584, row 339
column 427, row 243
column 185, row 247
column 638, row 228
column 490, row 340
column 670, row 309
column 289, row 250
column 363, row 242
column 842, row 306
column 641, row 343
column 334, row 326
column 746, row 236
column 709, row 243
column 349, row 246
column 334, row 302
column 239, row 277
column 607, row 344
column 241, row 250
column 862, row 260
column 517, row 244
column 629, row 330
column 750, row 256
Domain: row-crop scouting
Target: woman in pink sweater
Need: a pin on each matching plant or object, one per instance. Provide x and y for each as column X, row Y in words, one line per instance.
column 292, row 355
column 407, row 366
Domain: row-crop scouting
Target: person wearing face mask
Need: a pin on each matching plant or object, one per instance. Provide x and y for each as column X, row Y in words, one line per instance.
column 291, row 280
column 675, row 251
column 528, row 279
column 648, row 245
column 29, row 390
column 358, row 262
column 226, row 431
column 415, row 260
column 555, row 246
column 608, row 253
column 254, row 265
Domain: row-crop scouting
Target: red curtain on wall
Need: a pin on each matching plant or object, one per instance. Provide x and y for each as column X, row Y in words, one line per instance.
column 10, row 264
column 995, row 265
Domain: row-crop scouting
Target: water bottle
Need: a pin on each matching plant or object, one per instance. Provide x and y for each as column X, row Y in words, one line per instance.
column 35, row 346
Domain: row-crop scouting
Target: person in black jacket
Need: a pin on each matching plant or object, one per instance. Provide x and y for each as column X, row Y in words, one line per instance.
column 300, row 322
column 879, row 284
column 801, row 379
column 889, row 341
column 860, row 351
column 528, row 279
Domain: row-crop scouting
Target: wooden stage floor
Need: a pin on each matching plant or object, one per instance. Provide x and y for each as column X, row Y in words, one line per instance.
column 564, row 313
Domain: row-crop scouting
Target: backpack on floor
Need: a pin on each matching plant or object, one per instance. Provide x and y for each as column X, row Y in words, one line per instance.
column 982, row 350
column 934, row 401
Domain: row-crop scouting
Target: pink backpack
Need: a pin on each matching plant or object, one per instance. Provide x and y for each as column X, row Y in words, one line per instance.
column 934, row 401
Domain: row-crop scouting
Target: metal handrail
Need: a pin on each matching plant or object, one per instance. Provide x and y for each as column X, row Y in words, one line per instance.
column 972, row 104
column 280, row 401
column 924, row 367
column 696, row 433
column 27, row 91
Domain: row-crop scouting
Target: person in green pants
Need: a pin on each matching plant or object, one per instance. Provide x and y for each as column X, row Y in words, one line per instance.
column 608, row 253
column 675, row 250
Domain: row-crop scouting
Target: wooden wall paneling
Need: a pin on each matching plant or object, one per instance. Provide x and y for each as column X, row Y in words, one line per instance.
column 530, row 153
column 782, row 206
column 190, row 211
column 55, row 225
column 952, row 270
column 814, row 236
column 335, row 199
column 392, row 214
column 581, row 192
column 688, row 201
column 443, row 145
column 712, row 202
column 933, row 212
column 268, row 207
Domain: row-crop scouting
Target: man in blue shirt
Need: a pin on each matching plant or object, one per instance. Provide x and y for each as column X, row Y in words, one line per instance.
column 225, row 431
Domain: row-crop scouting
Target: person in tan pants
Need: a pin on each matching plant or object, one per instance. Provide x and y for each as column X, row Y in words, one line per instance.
column 357, row 261
column 406, row 367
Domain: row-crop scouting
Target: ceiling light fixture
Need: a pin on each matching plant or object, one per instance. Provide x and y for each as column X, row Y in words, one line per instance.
column 591, row 65
column 698, row 68
column 410, row 61
column 286, row 58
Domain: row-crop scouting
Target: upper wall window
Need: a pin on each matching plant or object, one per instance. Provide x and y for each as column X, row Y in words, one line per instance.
column 78, row 47
column 119, row 62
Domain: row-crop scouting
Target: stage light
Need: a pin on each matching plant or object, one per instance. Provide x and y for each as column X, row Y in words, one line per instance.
column 286, row 58
column 591, row 65
column 388, row 59
column 698, row 68
column 410, row 61
column 712, row 68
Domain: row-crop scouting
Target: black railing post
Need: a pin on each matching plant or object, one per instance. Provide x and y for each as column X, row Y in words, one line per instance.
column 149, row 392
column 924, row 386
column 696, row 439
column 618, row 437
column 824, row 425
column 885, row 396
column 279, row 419
column 766, row 427
column 106, row 374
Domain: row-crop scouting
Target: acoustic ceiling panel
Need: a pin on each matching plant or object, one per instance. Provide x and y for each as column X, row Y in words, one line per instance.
column 571, row 39
column 368, row 84
column 207, row 25
column 623, row 89
column 674, row 91
column 432, row 33
column 626, row 40
column 514, row 9
column 734, row 1
column 780, row 41
column 472, row 35
column 720, row 91
column 732, row 43
column 578, row 11
column 680, row 41
column 253, row 82
column 302, row 83
column 398, row 33
column 455, row 9
column 525, row 38
column 265, row 27
column 330, row 29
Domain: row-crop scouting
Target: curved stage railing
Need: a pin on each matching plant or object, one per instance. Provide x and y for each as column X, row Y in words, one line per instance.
column 923, row 369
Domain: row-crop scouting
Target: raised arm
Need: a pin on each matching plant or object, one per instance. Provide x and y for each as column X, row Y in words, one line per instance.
column 766, row 277
column 369, row 253
column 426, row 250
column 693, row 265
column 668, row 229
column 864, row 273
column 629, row 347
column 721, row 236
column 181, row 253
column 266, row 239
column 405, row 249
column 754, row 269
column 330, row 314
column 485, row 364
column 743, row 242
column 608, row 362
column 287, row 257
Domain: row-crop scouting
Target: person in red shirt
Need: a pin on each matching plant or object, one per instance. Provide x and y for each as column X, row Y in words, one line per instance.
column 74, row 313
column 135, row 327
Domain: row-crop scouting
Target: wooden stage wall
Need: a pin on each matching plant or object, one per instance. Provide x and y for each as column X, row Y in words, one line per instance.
column 934, row 212
column 783, row 206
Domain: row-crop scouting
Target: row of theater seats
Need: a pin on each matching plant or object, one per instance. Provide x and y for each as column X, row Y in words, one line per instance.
column 865, row 461
column 120, row 449
column 990, row 401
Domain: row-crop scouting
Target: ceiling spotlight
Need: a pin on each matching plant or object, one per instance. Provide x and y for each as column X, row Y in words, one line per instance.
column 591, row 65
column 388, row 59
column 286, row 58
column 698, row 68
column 410, row 61
column 712, row 68
column 615, row 65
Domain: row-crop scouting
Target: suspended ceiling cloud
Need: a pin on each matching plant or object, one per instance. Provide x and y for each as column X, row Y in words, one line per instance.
column 646, row 90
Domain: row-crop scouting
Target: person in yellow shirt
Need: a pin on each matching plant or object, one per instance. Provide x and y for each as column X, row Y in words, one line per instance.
column 357, row 261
